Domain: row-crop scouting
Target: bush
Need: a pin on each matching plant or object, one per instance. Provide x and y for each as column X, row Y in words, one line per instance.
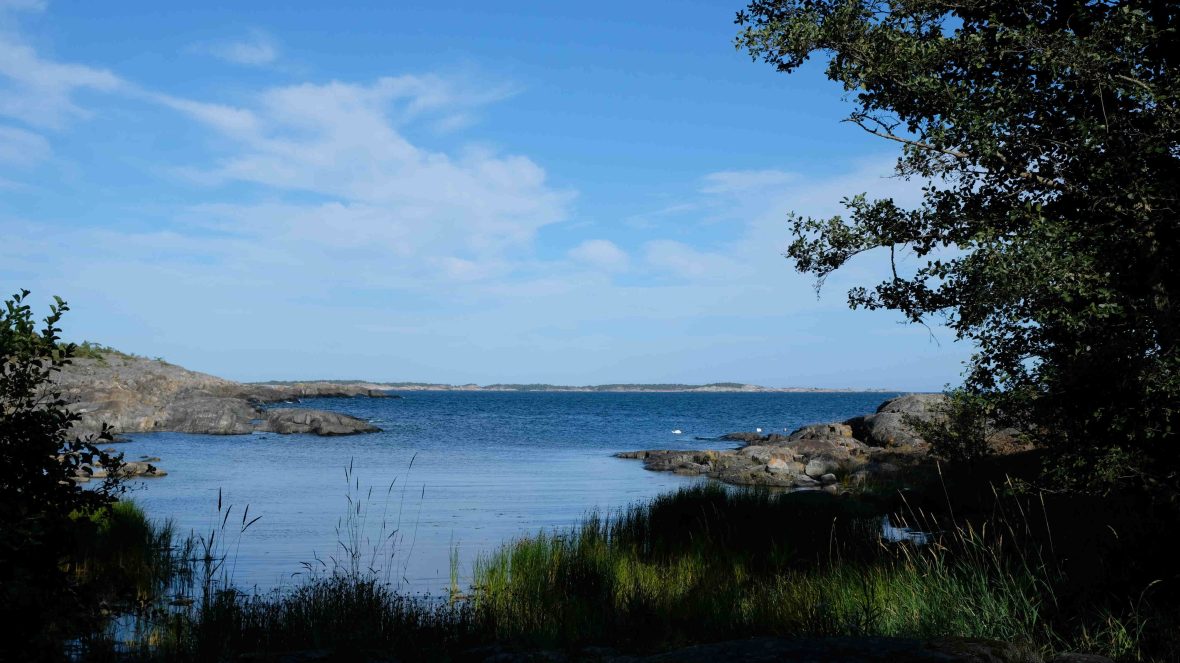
column 39, row 600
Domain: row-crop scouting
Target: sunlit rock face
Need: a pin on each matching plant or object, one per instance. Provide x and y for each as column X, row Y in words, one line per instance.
column 136, row 394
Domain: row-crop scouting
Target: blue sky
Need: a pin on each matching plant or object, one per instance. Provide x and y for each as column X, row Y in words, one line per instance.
column 455, row 192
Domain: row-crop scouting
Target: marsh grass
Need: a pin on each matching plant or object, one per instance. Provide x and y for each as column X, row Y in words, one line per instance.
column 350, row 615
column 347, row 600
column 702, row 564
column 709, row 563
column 125, row 553
column 131, row 566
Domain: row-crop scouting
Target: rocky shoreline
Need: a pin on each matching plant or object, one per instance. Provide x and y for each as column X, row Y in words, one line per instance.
column 138, row 395
column 829, row 456
column 135, row 394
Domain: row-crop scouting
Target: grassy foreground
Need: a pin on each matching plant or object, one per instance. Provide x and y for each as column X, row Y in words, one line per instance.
column 706, row 564
column 709, row 564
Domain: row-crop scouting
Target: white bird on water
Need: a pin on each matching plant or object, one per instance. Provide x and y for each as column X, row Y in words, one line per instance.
column 757, row 430
column 676, row 432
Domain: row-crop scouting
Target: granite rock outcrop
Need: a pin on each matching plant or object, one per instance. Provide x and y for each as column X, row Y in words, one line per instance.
column 135, row 395
column 829, row 456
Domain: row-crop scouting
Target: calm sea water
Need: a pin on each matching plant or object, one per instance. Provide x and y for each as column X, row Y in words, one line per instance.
column 451, row 472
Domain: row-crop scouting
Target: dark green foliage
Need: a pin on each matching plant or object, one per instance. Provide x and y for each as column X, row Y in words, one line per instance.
column 100, row 352
column 710, row 563
column 1049, row 135
column 125, row 558
column 96, row 351
column 355, row 617
column 961, row 430
column 38, row 497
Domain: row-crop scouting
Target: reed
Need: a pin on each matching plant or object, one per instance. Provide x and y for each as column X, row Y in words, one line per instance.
column 702, row 564
column 710, row 563
column 125, row 556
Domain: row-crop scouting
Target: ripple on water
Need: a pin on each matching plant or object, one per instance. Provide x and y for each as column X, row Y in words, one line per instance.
column 450, row 470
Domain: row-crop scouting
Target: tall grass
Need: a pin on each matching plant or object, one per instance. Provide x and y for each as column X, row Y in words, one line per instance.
column 370, row 535
column 702, row 564
column 131, row 567
column 710, row 563
column 354, row 616
column 347, row 599
column 127, row 557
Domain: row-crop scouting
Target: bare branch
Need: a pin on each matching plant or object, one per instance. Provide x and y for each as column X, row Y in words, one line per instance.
column 907, row 141
column 858, row 121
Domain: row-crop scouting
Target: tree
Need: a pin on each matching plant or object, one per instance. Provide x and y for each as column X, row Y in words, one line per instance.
column 41, row 506
column 1048, row 135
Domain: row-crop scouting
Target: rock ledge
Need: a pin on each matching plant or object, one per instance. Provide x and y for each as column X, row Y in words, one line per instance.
column 136, row 395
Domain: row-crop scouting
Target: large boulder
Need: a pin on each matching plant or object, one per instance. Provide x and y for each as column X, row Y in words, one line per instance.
column 890, row 425
column 760, row 453
column 319, row 422
column 784, row 466
column 822, row 432
column 833, row 447
column 754, row 476
column 920, row 405
column 828, row 440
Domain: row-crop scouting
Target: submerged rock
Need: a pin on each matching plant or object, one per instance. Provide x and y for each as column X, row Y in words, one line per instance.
column 133, row 469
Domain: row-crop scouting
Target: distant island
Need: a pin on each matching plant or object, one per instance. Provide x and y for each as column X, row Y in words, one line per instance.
column 712, row 387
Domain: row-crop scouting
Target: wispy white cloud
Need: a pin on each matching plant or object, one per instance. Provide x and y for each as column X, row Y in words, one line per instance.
column 256, row 49
column 225, row 119
column 40, row 92
column 684, row 261
column 22, row 148
column 746, row 181
column 442, row 215
column 349, row 198
column 601, row 254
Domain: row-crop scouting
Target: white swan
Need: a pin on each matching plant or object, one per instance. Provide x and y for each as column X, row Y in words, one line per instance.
column 676, row 432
